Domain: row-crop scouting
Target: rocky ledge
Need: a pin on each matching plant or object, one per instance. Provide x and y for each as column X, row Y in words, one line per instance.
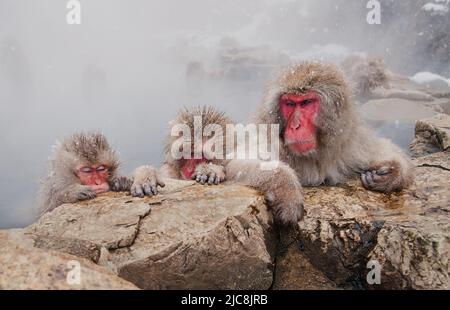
column 188, row 237
column 223, row 237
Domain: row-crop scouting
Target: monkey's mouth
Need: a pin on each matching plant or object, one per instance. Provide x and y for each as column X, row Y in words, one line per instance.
column 102, row 188
column 188, row 167
column 299, row 142
column 301, row 146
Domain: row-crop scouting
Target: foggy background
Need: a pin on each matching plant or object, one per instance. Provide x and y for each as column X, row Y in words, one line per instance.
column 131, row 65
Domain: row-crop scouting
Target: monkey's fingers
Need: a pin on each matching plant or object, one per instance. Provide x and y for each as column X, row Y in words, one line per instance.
column 212, row 178
column 383, row 170
column 373, row 181
column 366, row 180
column 377, row 177
column 154, row 189
column 116, row 186
column 137, row 191
column 203, row 178
column 148, row 189
column 160, row 182
column 197, row 177
column 86, row 194
column 121, row 184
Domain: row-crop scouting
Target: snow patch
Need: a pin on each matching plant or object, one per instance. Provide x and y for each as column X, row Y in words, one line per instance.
column 428, row 77
column 438, row 7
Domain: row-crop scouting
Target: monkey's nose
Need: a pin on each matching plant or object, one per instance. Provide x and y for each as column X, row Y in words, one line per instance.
column 295, row 126
column 295, row 123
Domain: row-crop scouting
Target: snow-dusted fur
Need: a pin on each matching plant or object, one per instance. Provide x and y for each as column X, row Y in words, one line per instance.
column 346, row 147
column 61, row 185
column 214, row 167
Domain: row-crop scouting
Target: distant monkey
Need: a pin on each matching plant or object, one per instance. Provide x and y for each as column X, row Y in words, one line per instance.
column 83, row 166
column 370, row 79
column 323, row 141
column 204, row 170
column 366, row 74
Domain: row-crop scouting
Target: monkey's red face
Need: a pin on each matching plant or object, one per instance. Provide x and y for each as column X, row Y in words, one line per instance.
column 96, row 177
column 300, row 113
column 188, row 167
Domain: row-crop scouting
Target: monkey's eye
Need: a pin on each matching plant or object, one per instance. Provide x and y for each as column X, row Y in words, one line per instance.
column 101, row 168
column 306, row 102
column 290, row 103
column 86, row 170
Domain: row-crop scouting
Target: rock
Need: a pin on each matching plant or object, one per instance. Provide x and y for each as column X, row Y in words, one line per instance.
column 294, row 271
column 188, row 237
column 384, row 109
column 432, row 135
column 407, row 233
column 439, row 85
column 222, row 237
column 24, row 267
column 446, row 107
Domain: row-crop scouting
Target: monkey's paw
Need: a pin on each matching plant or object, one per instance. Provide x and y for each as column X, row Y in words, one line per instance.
column 384, row 177
column 121, row 184
column 209, row 174
column 85, row 193
column 289, row 211
column 146, row 182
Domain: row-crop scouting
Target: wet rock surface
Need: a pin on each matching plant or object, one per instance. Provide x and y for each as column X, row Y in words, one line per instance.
column 432, row 135
column 406, row 233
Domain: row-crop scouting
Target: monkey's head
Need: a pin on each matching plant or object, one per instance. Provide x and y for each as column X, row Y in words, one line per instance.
column 309, row 101
column 207, row 121
column 89, row 159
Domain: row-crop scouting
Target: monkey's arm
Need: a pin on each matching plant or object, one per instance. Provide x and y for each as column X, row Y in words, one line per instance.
column 387, row 168
column 51, row 197
column 209, row 173
column 279, row 184
column 75, row 193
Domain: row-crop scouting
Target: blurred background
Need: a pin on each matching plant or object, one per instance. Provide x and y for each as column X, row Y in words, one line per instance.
column 130, row 65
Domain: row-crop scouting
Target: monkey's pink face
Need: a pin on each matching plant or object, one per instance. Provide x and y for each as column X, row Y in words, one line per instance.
column 188, row 167
column 300, row 113
column 96, row 177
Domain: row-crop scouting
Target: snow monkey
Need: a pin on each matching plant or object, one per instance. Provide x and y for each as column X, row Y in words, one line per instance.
column 84, row 165
column 366, row 74
column 323, row 141
column 370, row 79
column 205, row 168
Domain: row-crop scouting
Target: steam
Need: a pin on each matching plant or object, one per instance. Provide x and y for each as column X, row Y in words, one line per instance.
column 123, row 70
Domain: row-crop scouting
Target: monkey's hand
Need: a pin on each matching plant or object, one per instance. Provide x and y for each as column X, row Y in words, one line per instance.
column 121, row 184
column 146, row 181
column 209, row 173
column 287, row 205
column 78, row 193
column 383, row 177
